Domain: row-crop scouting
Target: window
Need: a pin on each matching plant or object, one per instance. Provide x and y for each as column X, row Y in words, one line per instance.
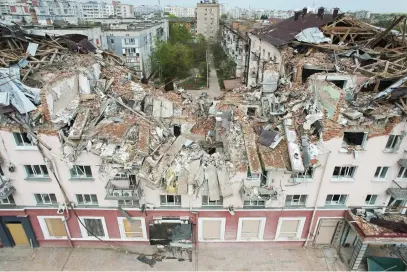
column 93, row 226
column 207, row 202
column 394, row 205
column 112, row 41
column 402, row 173
column 121, row 176
column 81, row 172
column 268, row 56
column 370, row 199
column 1, row 172
column 393, row 143
column 251, row 228
column 354, row 139
column 290, row 228
column 295, row 200
column 211, row 229
column 134, row 203
column 170, row 200
column 308, row 174
column 251, row 111
column 45, row 198
column 336, row 199
column 134, row 229
column 52, row 227
column 258, row 203
column 381, row 172
column 86, row 199
column 7, row 201
column 36, row 171
column 22, row 139
column 344, row 172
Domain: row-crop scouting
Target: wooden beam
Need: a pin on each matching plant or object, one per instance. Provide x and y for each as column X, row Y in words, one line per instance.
column 403, row 40
column 381, row 35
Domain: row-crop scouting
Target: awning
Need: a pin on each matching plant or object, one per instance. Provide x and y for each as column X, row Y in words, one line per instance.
column 398, row 193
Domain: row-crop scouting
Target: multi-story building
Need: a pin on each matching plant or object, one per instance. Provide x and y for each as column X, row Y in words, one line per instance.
column 135, row 42
column 207, row 17
column 147, row 10
column 235, row 43
column 127, row 11
column 180, row 11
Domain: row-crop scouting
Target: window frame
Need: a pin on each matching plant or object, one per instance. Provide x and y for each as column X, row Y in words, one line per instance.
column 344, row 178
column 393, row 142
column 78, row 177
column 403, row 171
column 292, row 199
column 260, row 235
column 44, row 228
column 305, row 177
column 84, row 232
column 380, row 172
column 13, row 202
column 35, row 175
column 120, row 221
column 170, row 205
column 254, row 205
column 87, row 204
column 42, row 198
column 23, row 145
column 218, row 203
column 222, row 228
column 336, row 204
column 367, row 202
column 128, row 205
column 299, row 232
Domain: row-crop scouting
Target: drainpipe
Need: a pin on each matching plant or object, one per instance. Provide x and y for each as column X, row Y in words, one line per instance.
column 247, row 61
column 311, row 225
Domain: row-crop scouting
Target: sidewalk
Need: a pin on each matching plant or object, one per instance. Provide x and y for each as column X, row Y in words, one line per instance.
column 214, row 88
column 256, row 256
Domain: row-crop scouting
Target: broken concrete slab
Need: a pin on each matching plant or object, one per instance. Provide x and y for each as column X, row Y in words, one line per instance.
column 212, row 178
column 80, row 122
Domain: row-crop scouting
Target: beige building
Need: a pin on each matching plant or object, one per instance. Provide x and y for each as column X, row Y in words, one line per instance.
column 207, row 15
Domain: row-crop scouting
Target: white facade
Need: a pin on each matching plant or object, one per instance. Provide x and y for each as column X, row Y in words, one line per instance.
column 208, row 16
column 180, row 11
column 127, row 11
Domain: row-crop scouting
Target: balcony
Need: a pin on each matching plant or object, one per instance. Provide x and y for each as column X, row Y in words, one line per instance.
column 123, row 189
column 6, row 189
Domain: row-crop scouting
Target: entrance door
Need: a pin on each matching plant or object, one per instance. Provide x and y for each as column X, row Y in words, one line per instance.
column 18, row 234
column 326, row 231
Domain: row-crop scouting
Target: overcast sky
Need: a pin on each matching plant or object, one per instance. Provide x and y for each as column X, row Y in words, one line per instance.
column 344, row 5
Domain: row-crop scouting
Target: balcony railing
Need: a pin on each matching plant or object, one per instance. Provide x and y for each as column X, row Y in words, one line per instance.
column 122, row 190
column 6, row 189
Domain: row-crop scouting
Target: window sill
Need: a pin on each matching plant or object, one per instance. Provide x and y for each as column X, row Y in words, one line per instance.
column 342, row 180
column 400, row 179
column 87, row 205
column 47, row 179
column 389, row 151
column 295, row 206
column 28, row 148
column 254, row 207
column 299, row 180
column 288, row 239
column 339, row 206
column 379, row 180
column 81, row 179
column 47, row 205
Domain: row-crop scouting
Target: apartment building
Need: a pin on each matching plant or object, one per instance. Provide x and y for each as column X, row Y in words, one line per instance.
column 236, row 46
column 134, row 42
column 207, row 17
column 310, row 156
column 183, row 12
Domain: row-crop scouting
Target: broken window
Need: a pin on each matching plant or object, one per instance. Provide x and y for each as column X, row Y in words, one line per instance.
column 133, row 203
column 121, row 176
column 251, row 111
column 22, row 139
column 402, row 173
column 336, row 199
column 295, row 200
column 338, row 83
column 381, row 172
column 207, row 202
column 94, row 226
column 36, row 171
column 307, row 174
column 7, row 201
column 80, row 172
column 87, row 199
column 45, row 198
column 354, row 139
column 132, row 229
column 254, row 203
column 393, row 143
column 370, row 199
column 170, row 200
column 177, row 130
column 394, row 205
column 344, row 172
column 1, row 172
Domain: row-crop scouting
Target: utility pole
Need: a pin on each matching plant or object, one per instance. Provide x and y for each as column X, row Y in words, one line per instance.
column 207, row 70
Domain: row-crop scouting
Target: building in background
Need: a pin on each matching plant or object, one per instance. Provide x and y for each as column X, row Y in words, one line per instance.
column 134, row 42
column 179, row 11
column 207, row 17
column 189, row 23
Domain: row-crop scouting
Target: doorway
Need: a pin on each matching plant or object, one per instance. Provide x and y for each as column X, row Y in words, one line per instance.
column 18, row 234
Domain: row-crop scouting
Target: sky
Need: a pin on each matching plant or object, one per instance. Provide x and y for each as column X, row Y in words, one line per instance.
column 345, row 5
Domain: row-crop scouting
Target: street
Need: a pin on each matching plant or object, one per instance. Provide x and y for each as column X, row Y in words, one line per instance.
column 248, row 257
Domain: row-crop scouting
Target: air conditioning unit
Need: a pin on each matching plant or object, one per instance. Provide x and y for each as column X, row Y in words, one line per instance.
column 61, row 209
column 117, row 192
column 128, row 193
column 4, row 190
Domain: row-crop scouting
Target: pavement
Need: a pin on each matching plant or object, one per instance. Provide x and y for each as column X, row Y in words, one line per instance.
column 214, row 88
column 245, row 257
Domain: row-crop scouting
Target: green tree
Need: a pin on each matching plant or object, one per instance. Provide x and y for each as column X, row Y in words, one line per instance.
column 179, row 33
column 224, row 16
column 264, row 17
column 199, row 48
column 171, row 15
column 171, row 60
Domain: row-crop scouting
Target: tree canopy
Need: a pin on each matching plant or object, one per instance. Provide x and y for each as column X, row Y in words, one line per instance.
column 264, row 17
column 179, row 33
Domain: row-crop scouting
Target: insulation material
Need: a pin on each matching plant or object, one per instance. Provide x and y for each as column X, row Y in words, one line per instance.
column 312, row 35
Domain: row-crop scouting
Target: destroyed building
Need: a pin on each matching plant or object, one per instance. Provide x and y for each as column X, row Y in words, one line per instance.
column 86, row 146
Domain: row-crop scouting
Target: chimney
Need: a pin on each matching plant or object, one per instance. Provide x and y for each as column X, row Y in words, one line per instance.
column 34, row 18
column 304, row 12
column 335, row 13
column 321, row 13
column 297, row 15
